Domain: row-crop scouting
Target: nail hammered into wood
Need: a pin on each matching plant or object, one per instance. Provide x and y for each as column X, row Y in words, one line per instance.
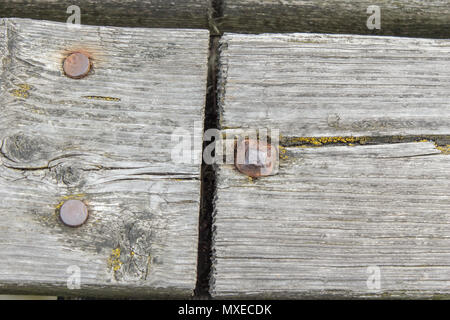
column 73, row 213
column 255, row 158
column 77, row 65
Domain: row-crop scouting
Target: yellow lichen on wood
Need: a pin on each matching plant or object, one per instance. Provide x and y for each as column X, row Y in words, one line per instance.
column 102, row 98
column 282, row 153
column 318, row 141
column 79, row 196
column 114, row 262
column 444, row 149
column 22, row 92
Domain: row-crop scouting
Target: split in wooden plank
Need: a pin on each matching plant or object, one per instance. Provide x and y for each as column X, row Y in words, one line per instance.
column 413, row 18
column 362, row 221
column 315, row 85
column 119, row 13
column 113, row 153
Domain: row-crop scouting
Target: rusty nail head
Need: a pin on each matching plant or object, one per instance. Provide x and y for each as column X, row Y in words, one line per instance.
column 73, row 213
column 255, row 158
column 76, row 65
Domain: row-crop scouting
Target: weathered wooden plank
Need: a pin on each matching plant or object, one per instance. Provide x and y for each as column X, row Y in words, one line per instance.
column 345, row 205
column 120, row 13
column 414, row 18
column 335, row 85
column 105, row 139
column 330, row 219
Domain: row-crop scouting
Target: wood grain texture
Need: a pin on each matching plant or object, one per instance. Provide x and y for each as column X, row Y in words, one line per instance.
column 120, row 13
column 338, row 209
column 414, row 18
column 335, row 85
column 107, row 140
column 331, row 212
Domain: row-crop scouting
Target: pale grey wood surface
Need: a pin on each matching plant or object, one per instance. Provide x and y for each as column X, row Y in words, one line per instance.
column 346, row 199
column 107, row 140
column 331, row 212
column 335, row 85
column 414, row 18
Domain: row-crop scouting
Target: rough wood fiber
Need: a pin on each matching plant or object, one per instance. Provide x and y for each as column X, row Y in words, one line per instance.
column 105, row 139
column 120, row 13
column 335, row 85
column 414, row 18
column 335, row 213
column 332, row 212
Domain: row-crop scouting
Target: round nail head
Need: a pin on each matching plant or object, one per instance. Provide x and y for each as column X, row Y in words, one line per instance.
column 76, row 65
column 255, row 158
column 73, row 213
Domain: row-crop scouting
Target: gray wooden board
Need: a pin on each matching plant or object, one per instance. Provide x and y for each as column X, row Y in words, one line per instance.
column 414, row 18
column 418, row 18
column 120, row 13
column 334, row 215
column 335, row 85
column 329, row 218
column 107, row 140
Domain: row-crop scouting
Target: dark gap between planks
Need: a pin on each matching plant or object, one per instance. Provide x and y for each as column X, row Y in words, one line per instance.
column 208, row 180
